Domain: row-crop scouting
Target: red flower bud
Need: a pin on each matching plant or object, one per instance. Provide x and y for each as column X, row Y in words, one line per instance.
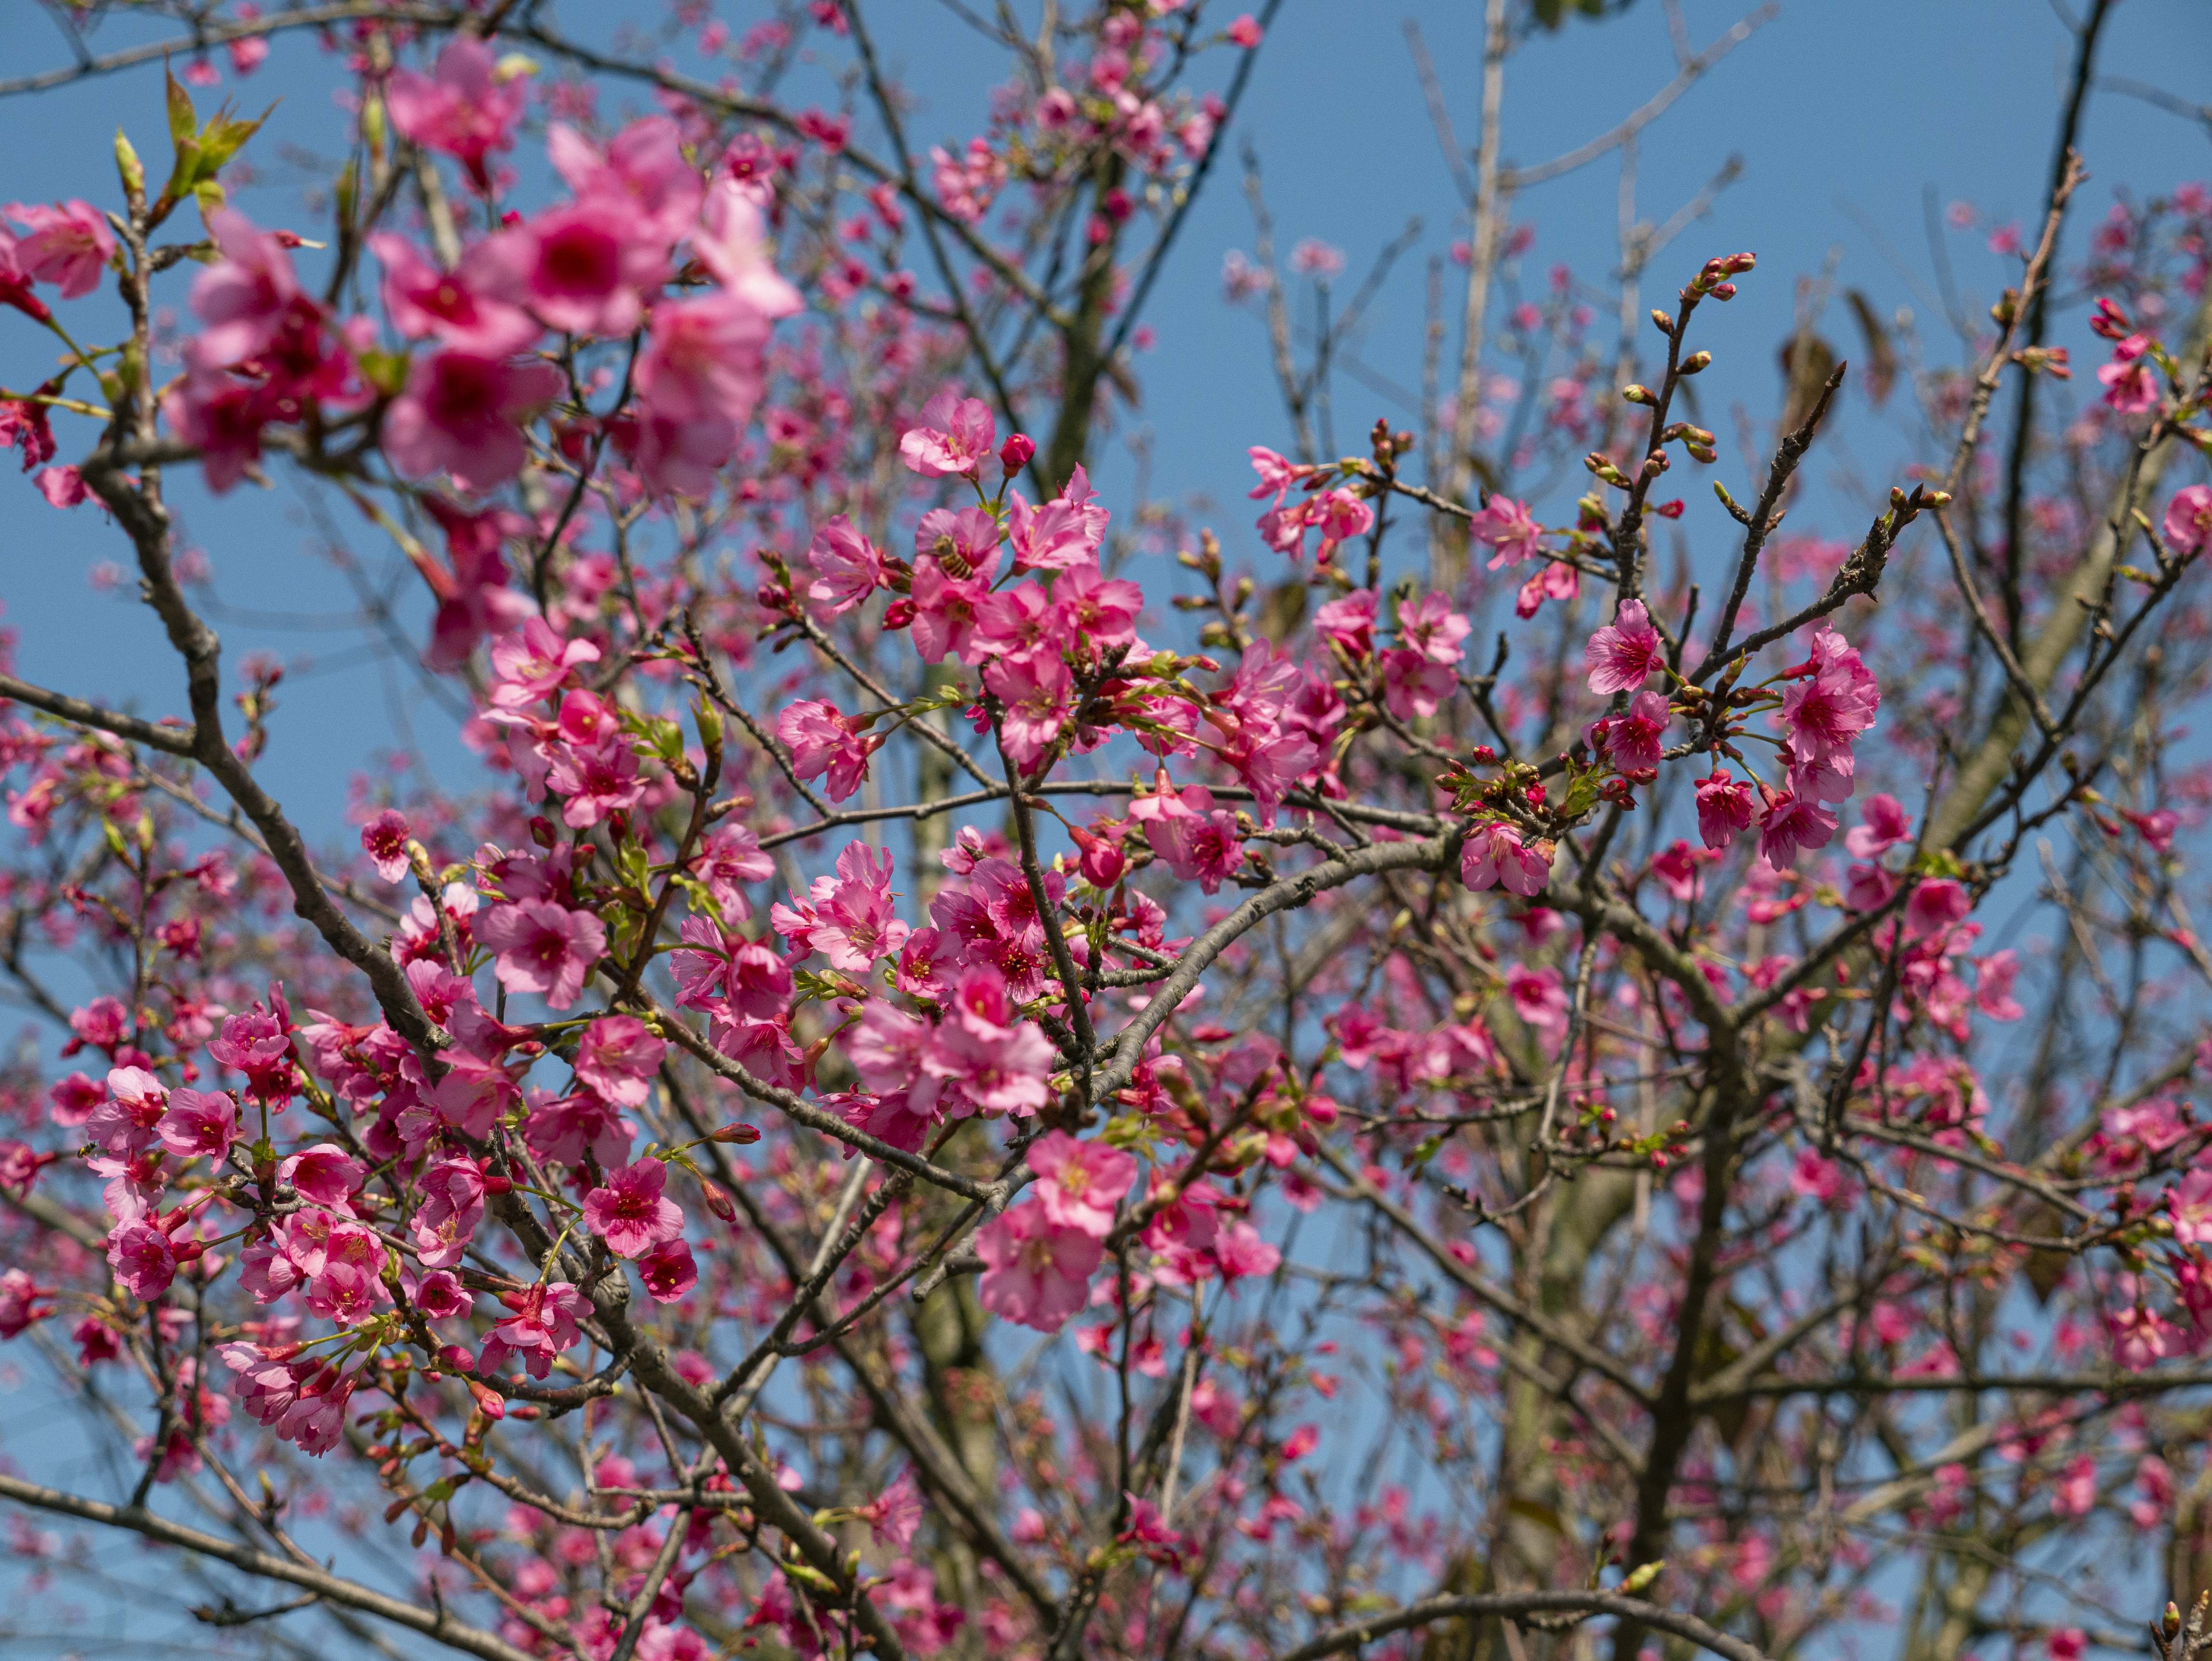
column 1014, row 455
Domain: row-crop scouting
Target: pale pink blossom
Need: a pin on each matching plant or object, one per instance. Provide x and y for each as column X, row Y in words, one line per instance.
column 618, row 1058
column 2188, row 524
column 1495, row 854
column 821, row 740
column 1509, row 527
column 847, row 569
column 67, row 244
column 955, row 436
column 1080, row 1182
column 1035, row 1272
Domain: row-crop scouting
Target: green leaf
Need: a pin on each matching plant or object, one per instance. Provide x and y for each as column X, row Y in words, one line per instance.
column 184, row 120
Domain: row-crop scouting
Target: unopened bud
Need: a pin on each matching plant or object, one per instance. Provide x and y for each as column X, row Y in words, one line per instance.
column 740, row 1134
column 1014, row 455
column 1666, row 323
column 1724, row 291
column 1637, row 392
column 1696, row 363
column 718, row 1200
column 1641, row 1577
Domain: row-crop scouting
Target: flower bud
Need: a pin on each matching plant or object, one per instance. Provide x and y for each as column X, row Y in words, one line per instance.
column 735, row 1132
column 1637, row 392
column 1014, row 455
column 1696, row 363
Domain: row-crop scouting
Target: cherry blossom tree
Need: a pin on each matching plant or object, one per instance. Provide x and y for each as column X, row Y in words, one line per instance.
column 1445, row 1093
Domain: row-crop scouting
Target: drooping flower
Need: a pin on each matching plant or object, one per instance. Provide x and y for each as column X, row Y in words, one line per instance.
column 425, row 302
column 1509, row 527
column 847, row 567
column 1626, row 653
column 1723, row 808
column 384, row 839
column 1791, row 823
column 821, row 740
column 1495, row 855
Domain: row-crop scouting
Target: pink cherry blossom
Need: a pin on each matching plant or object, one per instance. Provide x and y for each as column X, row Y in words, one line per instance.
column 542, row 947
column 630, row 1213
column 1079, row 1182
column 543, row 1324
column 461, row 414
column 534, row 662
column 425, row 302
column 245, row 298
column 1632, row 740
column 2188, row 524
column 1537, row 997
column 464, row 111
column 384, row 839
column 1723, row 808
column 199, row 1123
column 1507, row 526
column 1200, row 842
column 954, row 436
column 1038, row 695
column 1037, row 1273
column 1792, row 823
column 617, row 1057
column 821, row 740
column 584, row 269
column 642, row 174
column 847, row 569
column 668, row 1271
column 1495, row 854
column 1883, row 824
column 1414, row 686
column 67, row 244
column 1626, row 653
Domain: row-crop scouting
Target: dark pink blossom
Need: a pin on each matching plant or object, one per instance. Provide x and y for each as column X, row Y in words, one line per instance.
column 630, row 1213
column 465, row 109
column 543, row 948
column 1626, row 653
column 384, row 839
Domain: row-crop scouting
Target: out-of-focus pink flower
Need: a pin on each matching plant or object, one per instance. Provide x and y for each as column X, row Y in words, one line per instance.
column 544, row 1322
column 425, row 302
column 2188, row 523
column 1883, row 824
column 1507, row 526
column 67, row 244
column 1245, row 32
column 461, row 414
column 582, row 269
column 641, row 175
column 1035, row 1272
column 1936, row 906
column 954, row 436
column 463, row 110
